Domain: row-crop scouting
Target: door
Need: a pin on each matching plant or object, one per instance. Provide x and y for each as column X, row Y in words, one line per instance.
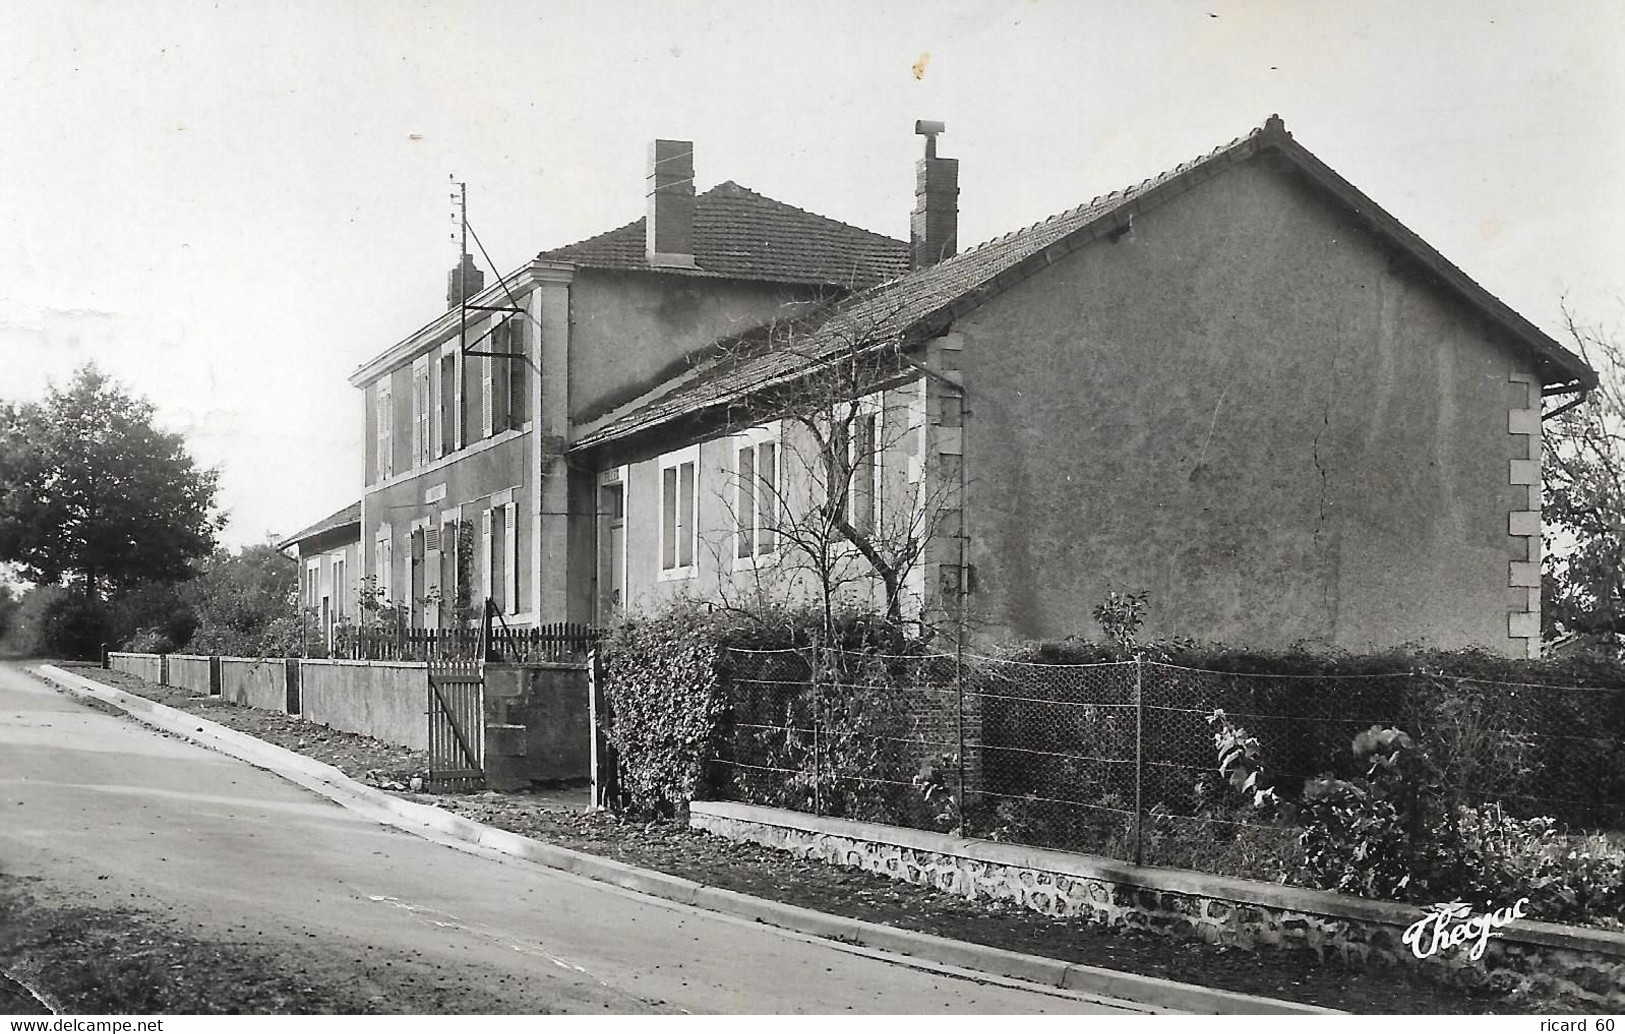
column 612, row 552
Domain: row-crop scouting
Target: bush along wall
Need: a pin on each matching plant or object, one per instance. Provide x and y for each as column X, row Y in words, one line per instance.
column 1410, row 776
column 676, row 694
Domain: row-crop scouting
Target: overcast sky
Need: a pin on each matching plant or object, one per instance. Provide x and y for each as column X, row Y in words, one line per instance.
column 231, row 206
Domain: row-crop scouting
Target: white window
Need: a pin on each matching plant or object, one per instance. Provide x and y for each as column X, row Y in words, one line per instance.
column 756, row 493
column 860, row 441
column 383, row 415
column 339, row 587
column 679, row 513
column 383, row 567
column 499, row 528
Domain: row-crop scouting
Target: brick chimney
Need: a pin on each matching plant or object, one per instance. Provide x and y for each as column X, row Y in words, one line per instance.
column 670, row 223
column 934, row 227
column 463, row 282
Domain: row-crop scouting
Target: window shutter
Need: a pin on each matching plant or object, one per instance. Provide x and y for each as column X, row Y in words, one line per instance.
column 510, row 566
column 518, row 367
column 487, row 382
column 485, row 553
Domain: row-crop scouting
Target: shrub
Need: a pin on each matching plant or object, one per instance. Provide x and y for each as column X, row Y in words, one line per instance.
column 149, row 640
column 677, row 696
column 74, row 626
column 667, row 705
column 1395, row 833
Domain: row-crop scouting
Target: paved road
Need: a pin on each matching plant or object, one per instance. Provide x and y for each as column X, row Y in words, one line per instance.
column 108, row 811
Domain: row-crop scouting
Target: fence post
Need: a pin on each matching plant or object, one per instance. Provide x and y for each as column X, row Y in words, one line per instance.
column 1139, row 760
column 603, row 756
column 105, row 661
column 818, row 728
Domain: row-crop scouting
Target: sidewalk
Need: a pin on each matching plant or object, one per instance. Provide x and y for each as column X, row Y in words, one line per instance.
column 694, row 863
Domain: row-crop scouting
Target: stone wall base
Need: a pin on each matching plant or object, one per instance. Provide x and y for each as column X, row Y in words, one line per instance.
column 1577, row 963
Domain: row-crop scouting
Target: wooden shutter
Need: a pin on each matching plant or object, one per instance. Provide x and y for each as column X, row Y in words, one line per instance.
column 510, row 557
column 488, row 381
column 485, row 555
column 518, row 366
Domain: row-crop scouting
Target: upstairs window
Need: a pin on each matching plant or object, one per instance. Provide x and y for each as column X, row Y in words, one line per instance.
column 383, row 415
column 518, row 347
column 422, row 420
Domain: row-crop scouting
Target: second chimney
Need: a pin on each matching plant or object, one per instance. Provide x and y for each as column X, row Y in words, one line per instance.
column 669, row 226
column 463, row 282
column 934, row 226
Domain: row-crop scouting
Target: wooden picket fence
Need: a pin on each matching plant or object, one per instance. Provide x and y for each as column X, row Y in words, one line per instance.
column 561, row 642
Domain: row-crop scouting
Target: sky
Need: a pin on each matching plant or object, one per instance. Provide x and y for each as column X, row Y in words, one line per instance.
column 231, row 206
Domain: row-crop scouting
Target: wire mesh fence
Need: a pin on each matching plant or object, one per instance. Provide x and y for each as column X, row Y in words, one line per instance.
column 1119, row 758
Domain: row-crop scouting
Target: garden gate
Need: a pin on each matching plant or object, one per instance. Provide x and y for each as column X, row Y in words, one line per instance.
column 456, row 725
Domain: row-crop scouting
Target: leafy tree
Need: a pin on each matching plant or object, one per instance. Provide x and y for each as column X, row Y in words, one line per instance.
column 91, row 491
column 1583, row 507
column 245, row 602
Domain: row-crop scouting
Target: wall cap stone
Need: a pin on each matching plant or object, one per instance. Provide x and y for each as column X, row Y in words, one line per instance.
column 1179, row 881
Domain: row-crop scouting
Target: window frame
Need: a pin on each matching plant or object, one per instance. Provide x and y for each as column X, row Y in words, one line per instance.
column 755, row 440
column 688, row 527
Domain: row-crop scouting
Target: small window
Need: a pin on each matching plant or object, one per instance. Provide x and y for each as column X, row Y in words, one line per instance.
column 678, row 513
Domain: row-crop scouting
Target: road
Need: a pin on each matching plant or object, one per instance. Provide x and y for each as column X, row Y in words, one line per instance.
column 100, row 809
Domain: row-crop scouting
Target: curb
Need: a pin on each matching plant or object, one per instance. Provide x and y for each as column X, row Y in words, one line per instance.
column 412, row 817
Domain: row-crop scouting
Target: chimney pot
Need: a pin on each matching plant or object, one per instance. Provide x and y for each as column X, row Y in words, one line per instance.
column 669, row 226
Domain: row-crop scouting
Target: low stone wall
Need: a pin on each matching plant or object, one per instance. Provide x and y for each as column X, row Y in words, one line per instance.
column 387, row 700
column 1582, row 964
column 255, row 682
column 149, row 666
column 192, row 673
column 537, row 726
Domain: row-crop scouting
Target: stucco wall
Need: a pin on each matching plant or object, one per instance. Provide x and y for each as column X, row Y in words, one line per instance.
column 149, row 666
column 190, row 672
column 537, row 724
column 255, row 682
column 627, row 331
column 385, row 700
column 1245, row 407
column 719, row 574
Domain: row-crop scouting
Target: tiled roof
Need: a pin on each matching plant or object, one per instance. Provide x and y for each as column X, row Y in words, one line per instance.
column 332, row 522
column 921, row 303
column 741, row 234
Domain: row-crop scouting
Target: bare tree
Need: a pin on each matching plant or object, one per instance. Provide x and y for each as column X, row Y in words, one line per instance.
column 847, row 496
column 1583, row 510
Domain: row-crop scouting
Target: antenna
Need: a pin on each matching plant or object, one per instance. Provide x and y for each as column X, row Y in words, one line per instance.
column 459, row 201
